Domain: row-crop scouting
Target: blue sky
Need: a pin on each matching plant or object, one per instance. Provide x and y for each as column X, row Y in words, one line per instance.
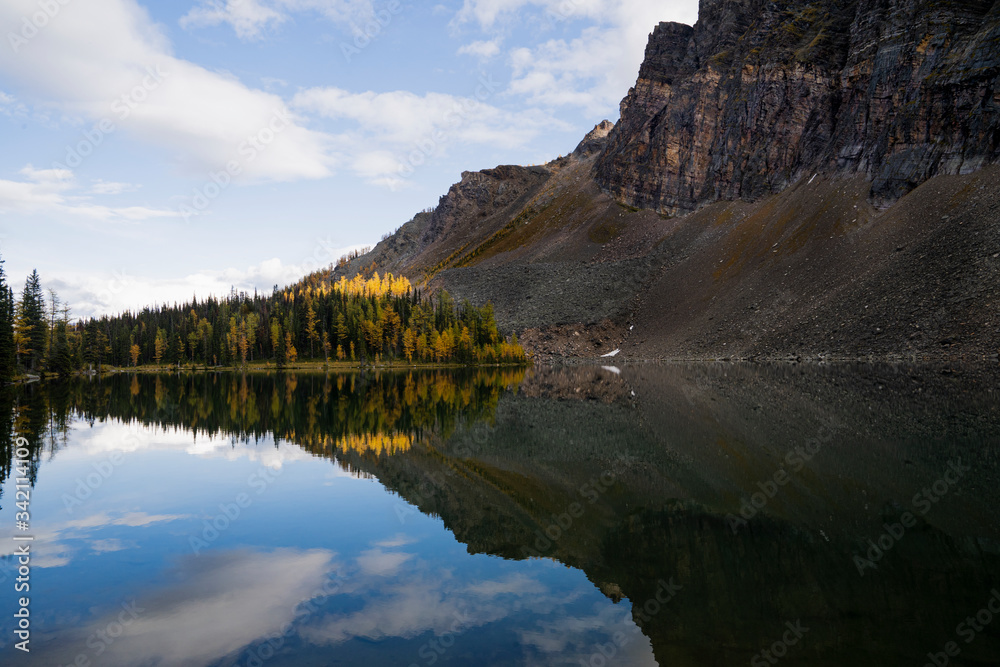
column 152, row 151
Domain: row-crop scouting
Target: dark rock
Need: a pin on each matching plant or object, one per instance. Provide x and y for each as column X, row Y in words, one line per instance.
column 759, row 94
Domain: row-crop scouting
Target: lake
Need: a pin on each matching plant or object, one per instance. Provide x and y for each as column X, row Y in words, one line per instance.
column 703, row 514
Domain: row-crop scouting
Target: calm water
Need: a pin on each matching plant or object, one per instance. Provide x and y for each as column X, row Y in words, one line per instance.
column 676, row 515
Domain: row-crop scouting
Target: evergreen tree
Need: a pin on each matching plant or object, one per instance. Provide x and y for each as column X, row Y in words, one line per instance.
column 95, row 345
column 8, row 364
column 31, row 324
column 60, row 354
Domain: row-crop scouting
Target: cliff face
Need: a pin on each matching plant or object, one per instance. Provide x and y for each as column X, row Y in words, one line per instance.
column 759, row 94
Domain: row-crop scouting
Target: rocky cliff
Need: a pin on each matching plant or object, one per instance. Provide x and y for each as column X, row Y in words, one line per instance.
column 759, row 94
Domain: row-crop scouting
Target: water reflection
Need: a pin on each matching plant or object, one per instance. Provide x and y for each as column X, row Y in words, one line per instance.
column 708, row 506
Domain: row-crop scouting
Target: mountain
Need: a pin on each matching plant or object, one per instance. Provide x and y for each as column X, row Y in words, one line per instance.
column 787, row 180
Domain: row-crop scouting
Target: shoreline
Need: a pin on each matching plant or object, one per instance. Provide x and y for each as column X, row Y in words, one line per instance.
column 977, row 361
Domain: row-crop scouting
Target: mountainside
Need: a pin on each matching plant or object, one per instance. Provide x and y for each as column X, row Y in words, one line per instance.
column 787, row 180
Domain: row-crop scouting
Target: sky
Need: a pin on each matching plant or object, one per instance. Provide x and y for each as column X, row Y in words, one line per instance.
column 155, row 151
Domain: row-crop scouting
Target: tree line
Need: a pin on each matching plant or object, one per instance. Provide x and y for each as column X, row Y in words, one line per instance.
column 370, row 318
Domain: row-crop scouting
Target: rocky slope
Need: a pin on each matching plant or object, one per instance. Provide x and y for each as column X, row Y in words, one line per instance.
column 787, row 180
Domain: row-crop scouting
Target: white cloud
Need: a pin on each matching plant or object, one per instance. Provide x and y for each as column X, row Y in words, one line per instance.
column 591, row 71
column 344, row 12
column 103, row 440
column 221, row 602
column 132, row 520
column 56, row 544
column 9, row 105
column 425, row 598
column 406, row 608
column 484, row 50
column 106, row 60
column 487, row 12
column 571, row 637
column 47, row 191
column 385, row 129
column 250, row 19
column 101, row 187
column 90, row 294
column 517, row 584
column 110, row 546
column 381, row 563
column 398, row 541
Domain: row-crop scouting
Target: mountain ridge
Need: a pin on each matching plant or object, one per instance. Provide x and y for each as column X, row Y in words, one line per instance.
column 787, row 180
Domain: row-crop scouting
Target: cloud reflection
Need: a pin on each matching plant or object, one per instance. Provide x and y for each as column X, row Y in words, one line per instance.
column 100, row 440
column 216, row 604
column 213, row 608
column 53, row 546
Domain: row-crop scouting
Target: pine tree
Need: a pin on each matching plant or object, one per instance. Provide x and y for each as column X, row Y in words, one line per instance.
column 311, row 333
column 8, row 364
column 31, row 324
column 160, row 345
column 60, row 359
column 96, row 344
column 342, row 331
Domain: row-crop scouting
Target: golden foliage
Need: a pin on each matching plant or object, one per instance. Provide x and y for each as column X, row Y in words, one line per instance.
column 376, row 443
column 377, row 286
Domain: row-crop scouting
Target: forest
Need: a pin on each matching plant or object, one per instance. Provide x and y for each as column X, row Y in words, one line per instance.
column 369, row 319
